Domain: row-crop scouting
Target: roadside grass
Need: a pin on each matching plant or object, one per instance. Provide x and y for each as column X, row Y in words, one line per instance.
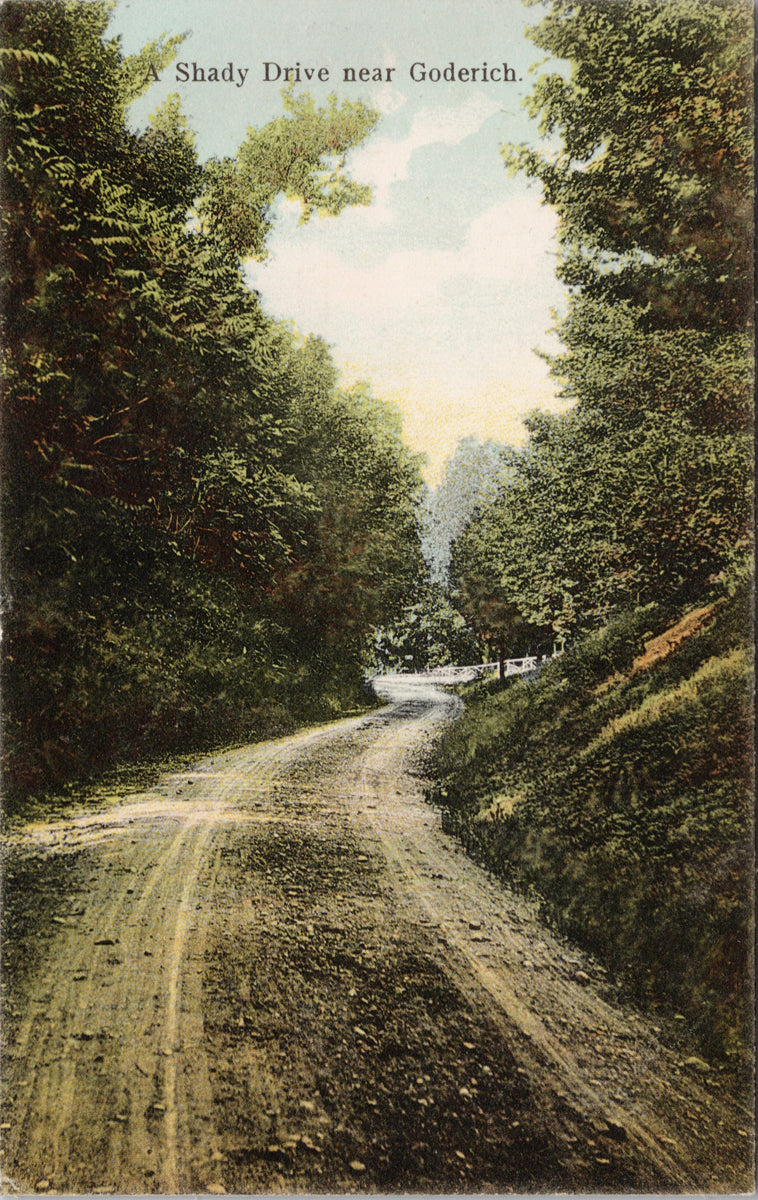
column 103, row 788
column 617, row 789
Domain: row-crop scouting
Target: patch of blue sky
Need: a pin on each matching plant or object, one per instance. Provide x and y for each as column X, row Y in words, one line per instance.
column 439, row 291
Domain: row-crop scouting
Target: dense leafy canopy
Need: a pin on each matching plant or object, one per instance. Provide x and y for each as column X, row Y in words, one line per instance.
column 644, row 490
column 300, row 156
column 620, row 785
column 652, row 182
column 431, row 632
column 601, row 516
column 200, row 528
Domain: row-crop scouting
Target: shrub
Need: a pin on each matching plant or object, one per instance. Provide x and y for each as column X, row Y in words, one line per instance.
column 630, row 812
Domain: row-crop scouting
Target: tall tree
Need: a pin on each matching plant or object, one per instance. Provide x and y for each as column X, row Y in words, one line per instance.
column 653, row 179
column 360, row 557
column 645, row 490
column 472, row 476
column 154, row 494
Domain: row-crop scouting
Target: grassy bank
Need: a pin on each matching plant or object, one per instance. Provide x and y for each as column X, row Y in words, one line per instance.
column 130, row 764
column 617, row 788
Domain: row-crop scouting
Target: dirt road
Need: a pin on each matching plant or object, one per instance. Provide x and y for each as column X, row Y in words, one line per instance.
column 274, row 973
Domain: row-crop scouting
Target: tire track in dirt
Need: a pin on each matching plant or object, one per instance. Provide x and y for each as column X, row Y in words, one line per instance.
column 99, row 1018
column 172, row 1020
column 128, row 1068
column 630, row 1089
column 101, row 1044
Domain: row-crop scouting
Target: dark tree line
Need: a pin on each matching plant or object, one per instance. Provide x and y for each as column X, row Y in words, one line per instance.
column 618, row 787
column 643, row 491
column 200, row 528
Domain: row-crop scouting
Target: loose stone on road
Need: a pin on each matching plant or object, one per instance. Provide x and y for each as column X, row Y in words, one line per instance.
column 274, row 973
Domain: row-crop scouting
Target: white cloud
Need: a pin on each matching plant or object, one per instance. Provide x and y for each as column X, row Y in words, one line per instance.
column 447, row 334
column 383, row 162
column 386, row 97
column 509, row 238
column 509, row 244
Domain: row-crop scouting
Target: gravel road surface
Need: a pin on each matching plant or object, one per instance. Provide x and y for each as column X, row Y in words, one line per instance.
column 273, row 972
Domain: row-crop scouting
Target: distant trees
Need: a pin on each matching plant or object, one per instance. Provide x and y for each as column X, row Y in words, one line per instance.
column 643, row 491
column 469, row 612
column 193, row 535
column 472, row 476
column 430, row 632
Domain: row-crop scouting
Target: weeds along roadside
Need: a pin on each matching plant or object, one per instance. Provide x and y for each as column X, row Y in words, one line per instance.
column 617, row 789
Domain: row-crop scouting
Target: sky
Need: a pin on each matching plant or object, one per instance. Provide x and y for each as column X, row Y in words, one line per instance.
column 442, row 288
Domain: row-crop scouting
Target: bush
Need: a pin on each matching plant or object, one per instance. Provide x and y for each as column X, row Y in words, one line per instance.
column 621, row 796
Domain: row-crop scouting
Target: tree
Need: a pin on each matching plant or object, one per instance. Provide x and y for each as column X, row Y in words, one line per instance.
column 653, row 179
column 644, row 490
column 359, row 558
column 599, row 517
column 155, row 496
column 471, row 476
column 431, row 632
column 300, row 156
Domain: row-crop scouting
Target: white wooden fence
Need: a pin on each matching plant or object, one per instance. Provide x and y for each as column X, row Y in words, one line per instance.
column 513, row 666
column 451, row 674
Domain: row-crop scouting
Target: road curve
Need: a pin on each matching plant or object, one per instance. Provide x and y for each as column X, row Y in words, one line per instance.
column 274, row 972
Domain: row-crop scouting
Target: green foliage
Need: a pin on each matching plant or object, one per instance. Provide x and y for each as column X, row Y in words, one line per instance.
column 620, row 794
column 192, row 546
column 619, row 366
column 300, row 156
column 600, row 515
column 358, row 558
column 655, row 166
column 136, row 70
column 430, row 633
column 618, row 787
column 642, row 493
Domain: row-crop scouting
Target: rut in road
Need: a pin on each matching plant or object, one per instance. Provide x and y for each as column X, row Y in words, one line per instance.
column 274, row 972
column 109, row 1041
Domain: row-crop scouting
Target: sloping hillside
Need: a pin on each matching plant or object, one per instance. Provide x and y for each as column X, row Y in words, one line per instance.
column 618, row 789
